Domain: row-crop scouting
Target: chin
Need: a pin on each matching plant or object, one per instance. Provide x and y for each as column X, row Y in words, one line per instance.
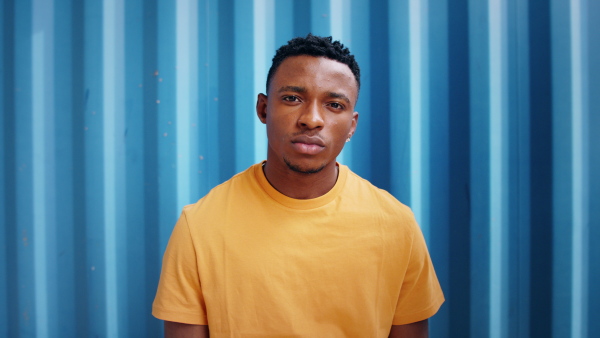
column 304, row 169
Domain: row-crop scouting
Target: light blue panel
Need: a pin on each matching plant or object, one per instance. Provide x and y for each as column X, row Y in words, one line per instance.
column 187, row 107
column 43, row 167
column 360, row 43
column 479, row 168
column 419, row 111
column 499, row 120
column 245, row 100
column 562, row 169
column 580, row 163
column 340, row 19
column 113, row 29
column 264, row 38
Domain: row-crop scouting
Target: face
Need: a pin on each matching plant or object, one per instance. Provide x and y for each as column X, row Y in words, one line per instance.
column 309, row 113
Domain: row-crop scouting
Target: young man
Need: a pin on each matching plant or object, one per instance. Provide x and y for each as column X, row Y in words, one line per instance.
column 299, row 246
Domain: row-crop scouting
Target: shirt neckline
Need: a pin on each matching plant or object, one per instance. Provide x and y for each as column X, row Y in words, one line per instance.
column 300, row 204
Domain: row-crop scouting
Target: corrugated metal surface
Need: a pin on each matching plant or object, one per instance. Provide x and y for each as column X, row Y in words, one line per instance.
column 483, row 116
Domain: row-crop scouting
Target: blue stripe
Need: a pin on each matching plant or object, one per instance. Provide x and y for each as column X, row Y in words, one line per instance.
column 39, row 182
column 579, row 162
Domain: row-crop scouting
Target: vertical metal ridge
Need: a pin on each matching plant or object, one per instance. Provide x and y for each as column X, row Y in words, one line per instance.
column 580, row 200
column 39, row 184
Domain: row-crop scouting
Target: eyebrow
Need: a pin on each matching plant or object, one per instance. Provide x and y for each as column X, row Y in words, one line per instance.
column 339, row 96
column 298, row 89
column 292, row 89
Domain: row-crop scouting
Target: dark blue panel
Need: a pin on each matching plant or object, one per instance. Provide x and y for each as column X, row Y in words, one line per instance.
column 284, row 27
column 3, row 196
column 562, row 188
column 479, row 179
column 79, row 104
column 518, row 262
column 380, row 93
column 208, row 172
column 399, row 101
column 438, row 213
column 23, row 167
column 459, row 186
column 94, row 179
column 302, row 18
column 150, row 161
column 593, row 76
column 540, row 181
column 66, row 269
column 137, row 321
column 10, row 302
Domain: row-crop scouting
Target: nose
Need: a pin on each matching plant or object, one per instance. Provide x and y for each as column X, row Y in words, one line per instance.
column 311, row 117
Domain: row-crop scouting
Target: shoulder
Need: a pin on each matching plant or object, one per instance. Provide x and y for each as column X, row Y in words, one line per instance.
column 366, row 192
column 367, row 197
column 224, row 194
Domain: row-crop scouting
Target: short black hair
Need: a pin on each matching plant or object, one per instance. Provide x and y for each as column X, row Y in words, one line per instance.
column 315, row 46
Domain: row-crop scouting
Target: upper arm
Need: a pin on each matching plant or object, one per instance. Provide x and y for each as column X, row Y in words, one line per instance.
column 420, row 294
column 181, row 330
column 413, row 330
column 179, row 295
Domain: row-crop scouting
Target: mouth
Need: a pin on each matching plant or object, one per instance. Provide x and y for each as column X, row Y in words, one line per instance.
column 308, row 145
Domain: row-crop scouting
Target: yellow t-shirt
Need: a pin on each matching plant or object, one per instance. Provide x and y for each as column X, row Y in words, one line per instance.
column 252, row 262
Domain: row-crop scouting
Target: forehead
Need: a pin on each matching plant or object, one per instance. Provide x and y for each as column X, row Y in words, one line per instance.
column 315, row 73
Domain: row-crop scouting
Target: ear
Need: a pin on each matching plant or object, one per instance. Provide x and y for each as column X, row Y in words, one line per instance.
column 354, row 123
column 261, row 107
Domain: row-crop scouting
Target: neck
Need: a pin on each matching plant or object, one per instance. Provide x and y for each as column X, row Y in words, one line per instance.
column 299, row 185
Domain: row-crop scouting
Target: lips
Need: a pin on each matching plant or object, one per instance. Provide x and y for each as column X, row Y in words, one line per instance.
column 309, row 145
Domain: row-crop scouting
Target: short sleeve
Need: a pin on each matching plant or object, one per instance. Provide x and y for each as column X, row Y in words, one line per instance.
column 420, row 294
column 179, row 295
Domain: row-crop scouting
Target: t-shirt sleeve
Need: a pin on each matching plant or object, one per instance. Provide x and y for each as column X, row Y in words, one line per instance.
column 179, row 295
column 420, row 294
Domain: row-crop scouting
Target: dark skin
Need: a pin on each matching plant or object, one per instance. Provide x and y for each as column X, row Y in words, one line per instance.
column 309, row 114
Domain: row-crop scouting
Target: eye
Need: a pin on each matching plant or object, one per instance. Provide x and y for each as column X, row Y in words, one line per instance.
column 336, row 105
column 291, row 98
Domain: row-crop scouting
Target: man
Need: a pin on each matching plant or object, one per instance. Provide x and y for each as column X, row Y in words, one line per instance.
column 299, row 246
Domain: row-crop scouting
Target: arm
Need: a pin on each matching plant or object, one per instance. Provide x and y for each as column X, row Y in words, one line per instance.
column 412, row 330
column 180, row 330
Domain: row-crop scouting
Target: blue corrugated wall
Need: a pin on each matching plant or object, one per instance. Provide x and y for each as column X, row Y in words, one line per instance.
column 482, row 115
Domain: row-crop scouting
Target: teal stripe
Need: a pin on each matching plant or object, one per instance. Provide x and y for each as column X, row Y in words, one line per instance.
column 187, row 79
column 498, row 109
column 39, row 183
column 263, row 50
column 418, row 109
column 113, row 120
column 580, row 200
